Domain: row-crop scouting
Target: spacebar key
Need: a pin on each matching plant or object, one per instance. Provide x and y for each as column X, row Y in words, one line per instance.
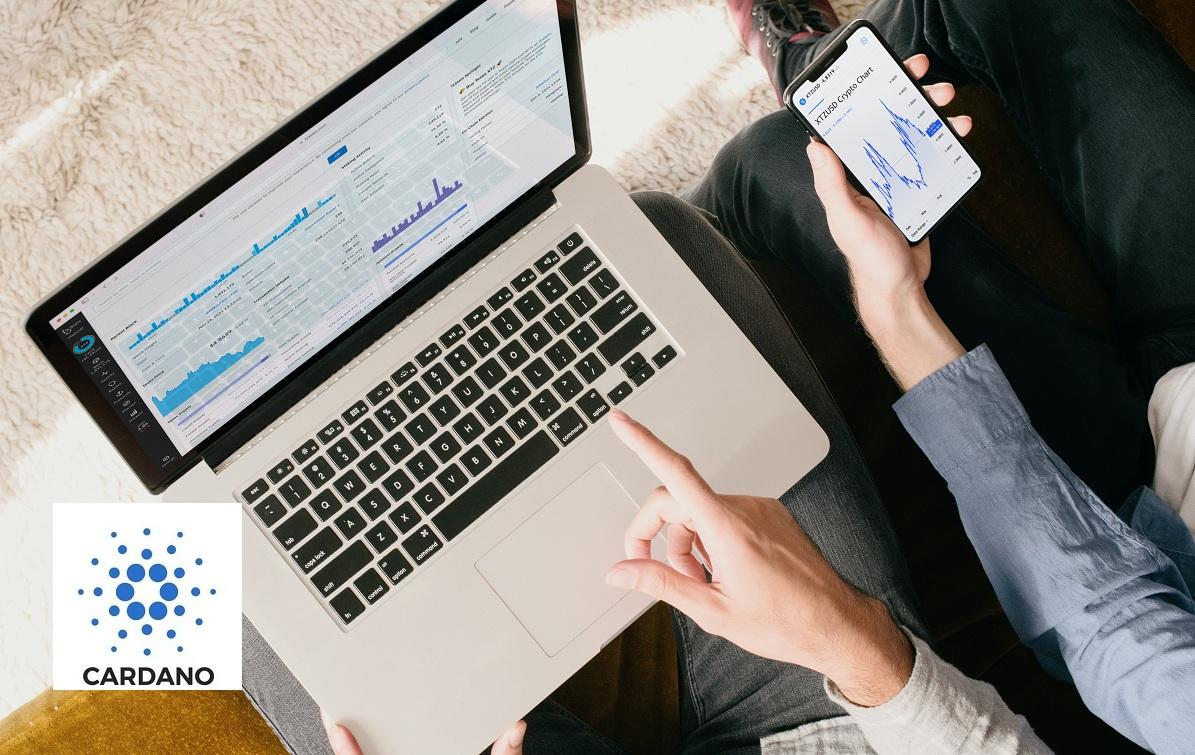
column 502, row 479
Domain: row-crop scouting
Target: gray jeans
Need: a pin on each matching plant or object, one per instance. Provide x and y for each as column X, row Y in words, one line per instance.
column 729, row 698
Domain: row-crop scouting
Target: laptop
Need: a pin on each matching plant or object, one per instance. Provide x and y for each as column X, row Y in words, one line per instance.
column 392, row 330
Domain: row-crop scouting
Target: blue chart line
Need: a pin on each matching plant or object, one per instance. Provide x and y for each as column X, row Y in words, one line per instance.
column 439, row 195
column 422, row 238
column 257, row 249
column 889, row 175
column 194, row 412
column 202, row 376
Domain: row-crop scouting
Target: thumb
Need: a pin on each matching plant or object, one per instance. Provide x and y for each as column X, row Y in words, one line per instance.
column 511, row 741
column 695, row 599
column 830, row 181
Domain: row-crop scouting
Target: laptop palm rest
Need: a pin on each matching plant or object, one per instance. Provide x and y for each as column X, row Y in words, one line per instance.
column 550, row 572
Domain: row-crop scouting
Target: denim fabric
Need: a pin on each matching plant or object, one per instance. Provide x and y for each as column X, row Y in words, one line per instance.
column 1096, row 599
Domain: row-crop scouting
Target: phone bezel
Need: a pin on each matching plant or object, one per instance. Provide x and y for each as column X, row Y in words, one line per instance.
column 818, row 67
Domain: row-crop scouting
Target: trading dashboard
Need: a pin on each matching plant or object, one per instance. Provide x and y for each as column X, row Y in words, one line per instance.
column 236, row 297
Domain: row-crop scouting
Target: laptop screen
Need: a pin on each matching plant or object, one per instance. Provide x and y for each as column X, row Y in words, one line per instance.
column 237, row 296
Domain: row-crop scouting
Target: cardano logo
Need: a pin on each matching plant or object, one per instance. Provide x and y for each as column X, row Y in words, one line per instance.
column 144, row 676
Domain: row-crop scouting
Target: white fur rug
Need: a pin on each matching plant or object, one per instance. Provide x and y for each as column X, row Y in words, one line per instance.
column 111, row 108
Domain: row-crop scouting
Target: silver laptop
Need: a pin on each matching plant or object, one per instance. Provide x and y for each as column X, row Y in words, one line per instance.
column 392, row 329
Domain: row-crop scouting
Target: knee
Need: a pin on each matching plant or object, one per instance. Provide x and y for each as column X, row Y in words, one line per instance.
column 769, row 151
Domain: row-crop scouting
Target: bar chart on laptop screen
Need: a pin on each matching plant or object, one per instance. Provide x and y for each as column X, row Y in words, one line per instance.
column 321, row 234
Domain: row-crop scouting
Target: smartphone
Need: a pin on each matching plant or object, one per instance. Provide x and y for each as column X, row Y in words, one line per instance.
column 857, row 98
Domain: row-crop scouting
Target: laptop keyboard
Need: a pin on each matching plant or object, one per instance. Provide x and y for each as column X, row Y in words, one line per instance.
column 385, row 485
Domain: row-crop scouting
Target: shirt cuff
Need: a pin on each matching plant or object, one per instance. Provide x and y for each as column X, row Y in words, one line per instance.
column 960, row 409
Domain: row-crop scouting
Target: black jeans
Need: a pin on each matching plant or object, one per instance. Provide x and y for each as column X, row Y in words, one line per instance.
column 1107, row 108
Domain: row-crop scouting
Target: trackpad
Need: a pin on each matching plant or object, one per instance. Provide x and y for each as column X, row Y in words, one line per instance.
column 551, row 571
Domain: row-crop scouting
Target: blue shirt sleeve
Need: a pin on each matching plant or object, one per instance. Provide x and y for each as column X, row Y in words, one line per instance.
column 1078, row 584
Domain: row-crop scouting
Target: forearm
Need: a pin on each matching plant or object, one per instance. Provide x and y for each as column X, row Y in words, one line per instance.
column 909, row 335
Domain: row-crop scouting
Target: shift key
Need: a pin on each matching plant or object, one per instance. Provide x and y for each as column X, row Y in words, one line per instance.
column 342, row 568
column 626, row 338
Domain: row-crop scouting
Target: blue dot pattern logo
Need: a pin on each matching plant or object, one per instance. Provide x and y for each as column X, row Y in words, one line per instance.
column 141, row 598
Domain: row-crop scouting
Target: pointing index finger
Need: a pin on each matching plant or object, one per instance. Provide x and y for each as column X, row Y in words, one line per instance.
column 673, row 470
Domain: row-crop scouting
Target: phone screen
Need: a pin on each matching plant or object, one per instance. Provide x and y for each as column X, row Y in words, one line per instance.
column 868, row 110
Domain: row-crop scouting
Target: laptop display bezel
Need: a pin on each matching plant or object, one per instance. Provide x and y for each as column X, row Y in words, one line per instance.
column 304, row 378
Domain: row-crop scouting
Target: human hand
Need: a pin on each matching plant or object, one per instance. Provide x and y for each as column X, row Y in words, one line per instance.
column 344, row 743
column 772, row 592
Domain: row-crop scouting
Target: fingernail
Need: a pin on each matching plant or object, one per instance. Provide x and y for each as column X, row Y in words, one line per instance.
column 620, row 415
column 817, row 158
column 330, row 727
column 619, row 577
column 515, row 738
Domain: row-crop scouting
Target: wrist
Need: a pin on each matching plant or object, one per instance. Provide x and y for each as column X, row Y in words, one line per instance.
column 909, row 334
column 881, row 662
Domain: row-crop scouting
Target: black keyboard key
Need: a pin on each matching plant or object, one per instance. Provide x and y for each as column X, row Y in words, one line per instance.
column 567, row 386
column 428, row 355
column 580, row 265
column 404, row 373
column 255, row 491
column 350, row 523
column 343, row 453
column 570, row 244
column 645, row 372
column 413, row 397
column 294, row 491
column 305, row 451
column 429, row 498
column 452, row 479
column 567, row 426
column 477, row 317
column 318, row 471
column 590, row 368
column 405, row 517
column 560, row 354
column 545, row 404
column 454, row 334
column 633, row 363
column 367, row 434
column 593, row 406
column 460, row 359
column 270, row 510
column 486, row 491
column 551, row 288
column 381, row 537
column 467, row 392
column 499, row 441
column 437, row 378
column 397, row 447
column 291, row 532
column 536, row 337
column 330, row 431
column 371, row 586
column 422, row 465
column 582, row 336
column 342, row 568
column 507, row 323
column 395, row 566
column 620, row 392
column 469, row 428
column 373, row 466
column 610, row 314
column 347, row 606
column 445, row 447
column 483, row 341
column 280, row 471
column 445, row 410
column 398, row 485
column 513, row 354
column 420, row 428
column 374, row 504
column 354, row 412
column 422, row 545
column 390, row 415
column 537, row 372
column 625, row 339
column 545, row 263
column 522, row 422
column 664, row 356
column 529, row 305
column 325, row 505
column 515, row 391
column 581, row 301
column 492, row 410
column 523, row 280
column 475, row 460
column 559, row 319
column 500, row 297
column 604, row 283
column 490, row 372
column 380, row 392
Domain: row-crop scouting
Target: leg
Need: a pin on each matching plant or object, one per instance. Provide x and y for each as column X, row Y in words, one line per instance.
column 730, row 698
column 1072, row 381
